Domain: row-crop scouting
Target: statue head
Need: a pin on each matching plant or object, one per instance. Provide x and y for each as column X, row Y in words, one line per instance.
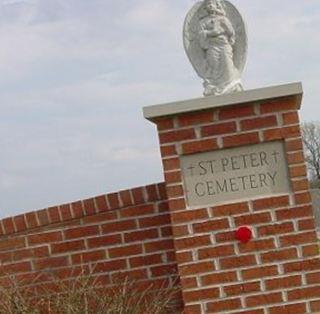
column 215, row 7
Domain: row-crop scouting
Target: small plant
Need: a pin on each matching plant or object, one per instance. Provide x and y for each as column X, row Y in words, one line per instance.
column 85, row 294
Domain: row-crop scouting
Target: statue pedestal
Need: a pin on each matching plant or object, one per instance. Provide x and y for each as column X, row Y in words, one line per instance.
column 237, row 161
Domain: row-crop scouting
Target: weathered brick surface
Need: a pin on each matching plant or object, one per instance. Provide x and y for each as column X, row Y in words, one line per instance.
column 273, row 273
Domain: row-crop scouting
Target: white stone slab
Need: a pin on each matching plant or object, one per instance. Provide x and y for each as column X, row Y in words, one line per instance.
column 240, row 173
column 204, row 103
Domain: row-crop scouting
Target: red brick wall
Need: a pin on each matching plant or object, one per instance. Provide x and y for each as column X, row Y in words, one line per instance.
column 279, row 270
column 120, row 234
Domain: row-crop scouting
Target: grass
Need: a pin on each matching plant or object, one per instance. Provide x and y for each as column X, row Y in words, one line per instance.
column 85, row 294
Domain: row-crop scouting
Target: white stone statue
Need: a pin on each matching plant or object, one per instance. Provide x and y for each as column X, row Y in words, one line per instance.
column 215, row 41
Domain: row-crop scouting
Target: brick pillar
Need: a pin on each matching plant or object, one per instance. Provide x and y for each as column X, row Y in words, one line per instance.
column 231, row 161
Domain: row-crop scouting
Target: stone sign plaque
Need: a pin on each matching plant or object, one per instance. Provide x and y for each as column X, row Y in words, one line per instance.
column 235, row 174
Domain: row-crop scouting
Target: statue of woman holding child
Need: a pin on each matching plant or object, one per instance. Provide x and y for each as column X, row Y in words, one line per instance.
column 216, row 43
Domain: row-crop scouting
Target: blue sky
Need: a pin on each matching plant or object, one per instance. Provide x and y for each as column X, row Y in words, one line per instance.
column 75, row 75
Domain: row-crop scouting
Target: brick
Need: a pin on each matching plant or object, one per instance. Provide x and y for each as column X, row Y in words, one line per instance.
column 290, row 118
column 196, row 268
column 37, row 252
column 50, row 262
column 256, row 246
column 77, row 209
column 315, row 306
column 305, row 265
column 173, row 177
column 81, row 232
column 282, row 133
column 219, row 278
column 211, row 225
column 310, row 250
column 163, row 270
column 302, row 198
column 176, row 136
column 180, row 231
column 31, row 220
column 107, row 240
column 88, row 257
column 289, row 309
column 196, row 241
column 218, row 129
column 241, row 139
column 101, row 202
column 236, row 112
column 15, row 268
column 188, row 283
column 203, row 294
column 44, row 238
column 279, row 255
column 20, row 223
column 282, row 104
column 271, row 202
column 237, row 261
column 12, row 243
column 171, row 164
column 166, row 232
column 228, row 236
column 125, row 197
column 298, row 171
column 258, row 311
column 100, row 218
column 89, row 206
column 253, row 219
column 137, row 194
column 295, row 158
column 8, row 225
column 43, row 217
column 64, row 247
column 119, row 264
column 230, row 210
column 160, row 245
column 297, row 239
column 199, row 146
column 184, row 257
column 192, row 309
column 141, row 235
column 160, row 220
column 177, row 204
column 264, row 299
column 284, row 282
column 146, row 260
column 216, row 251
column 164, row 124
column 200, row 117
column 296, row 212
column 137, row 211
column 227, row 305
column 293, row 145
column 65, row 212
column 189, row 215
column 300, row 185
column 152, row 192
column 125, row 251
column 113, row 200
column 175, row 191
column 258, row 123
column 304, row 293
column 275, row 229
column 260, row 272
column 243, row 288
column 163, row 207
column 162, row 191
column 169, row 150
column 306, row 224
column 117, row 226
column 313, row 278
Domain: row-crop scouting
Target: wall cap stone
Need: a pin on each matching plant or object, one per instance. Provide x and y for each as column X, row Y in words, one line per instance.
column 204, row 103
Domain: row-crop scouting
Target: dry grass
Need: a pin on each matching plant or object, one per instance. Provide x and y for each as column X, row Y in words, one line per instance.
column 86, row 295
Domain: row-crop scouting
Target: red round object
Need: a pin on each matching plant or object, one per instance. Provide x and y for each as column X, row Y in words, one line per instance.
column 244, row 234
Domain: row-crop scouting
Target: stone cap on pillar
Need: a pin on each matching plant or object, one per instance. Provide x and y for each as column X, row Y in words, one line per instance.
column 204, row 103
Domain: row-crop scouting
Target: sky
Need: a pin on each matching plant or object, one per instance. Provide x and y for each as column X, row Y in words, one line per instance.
column 75, row 75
